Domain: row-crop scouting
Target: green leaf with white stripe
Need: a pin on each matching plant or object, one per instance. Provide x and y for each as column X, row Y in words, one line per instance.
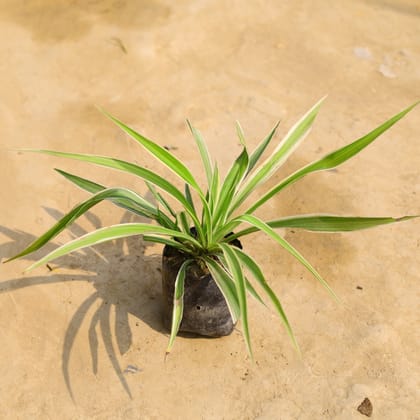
column 131, row 197
column 255, row 270
column 204, row 153
column 250, row 288
column 226, row 285
column 240, row 134
column 160, row 199
column 94, row 188
column 325, row 223
column 260, row 225
column 178, row 304
column 133, row 169
column 230, row 185
column 333, row 159
column 214, row 189
column 238, row 276
column 182, row 246
column 124, row 166
column 109, row 233
column 255, row 156
column 289, row 143
column 160, row 153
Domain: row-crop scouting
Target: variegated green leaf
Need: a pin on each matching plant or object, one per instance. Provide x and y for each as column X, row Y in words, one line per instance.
column 226, row 285
column 93, row 187
column 160, row 153
column 112, row 193
column 109, row 233
column 333, row 159
column 238, row 276
column 260, row 225
column 255, row 270
column 326, row 223
column 178, row 304
column 292, row 139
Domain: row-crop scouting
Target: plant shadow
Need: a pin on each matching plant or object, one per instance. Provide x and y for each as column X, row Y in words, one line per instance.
column 126, row 281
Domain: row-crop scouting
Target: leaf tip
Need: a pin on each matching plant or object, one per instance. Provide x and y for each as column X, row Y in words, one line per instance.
column 298, row 351
column 337, row 298
column 415, row 104
column 320, row 102
column 60, row 171
column 30, row 268
column 15, row 257
column 99, row 108
column 103, row 111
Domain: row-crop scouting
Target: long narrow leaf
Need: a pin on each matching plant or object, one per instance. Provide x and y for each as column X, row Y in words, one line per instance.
column 255, row 156
column 76, row 212
column 292, row 139
column 226, row 286
column 254, row 221
column 160, row 153
column 164, row 241
column 238, row 275
column 122, row 166
column 253, row 292
column 173, row 163
column 214, row 188
column 324, row 223
column 240, row 134
column 133, row 169
column 94, row 188
column 249, row 286
column 178, row 305
column 183, row 222
column 83, row 183
column 333, row 159
column 204, row 153
column 188, row 196
column 255, row 270
column 160, row 199
column 230, row 185
column 107, row 234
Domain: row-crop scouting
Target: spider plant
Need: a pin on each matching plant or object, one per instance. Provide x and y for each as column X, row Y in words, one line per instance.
column 201, row 221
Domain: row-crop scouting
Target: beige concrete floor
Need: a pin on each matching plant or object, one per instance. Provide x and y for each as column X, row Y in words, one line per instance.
column 92, row 325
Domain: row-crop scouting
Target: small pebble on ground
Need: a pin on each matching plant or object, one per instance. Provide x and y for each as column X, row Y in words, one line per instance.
column 365, row 407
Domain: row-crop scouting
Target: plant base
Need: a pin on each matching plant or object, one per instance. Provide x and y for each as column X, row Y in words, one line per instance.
column 205, row 309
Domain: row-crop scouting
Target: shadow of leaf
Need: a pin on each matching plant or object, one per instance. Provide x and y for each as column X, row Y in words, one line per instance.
column 70, row 336
column 124, row 339
column 123, row 277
